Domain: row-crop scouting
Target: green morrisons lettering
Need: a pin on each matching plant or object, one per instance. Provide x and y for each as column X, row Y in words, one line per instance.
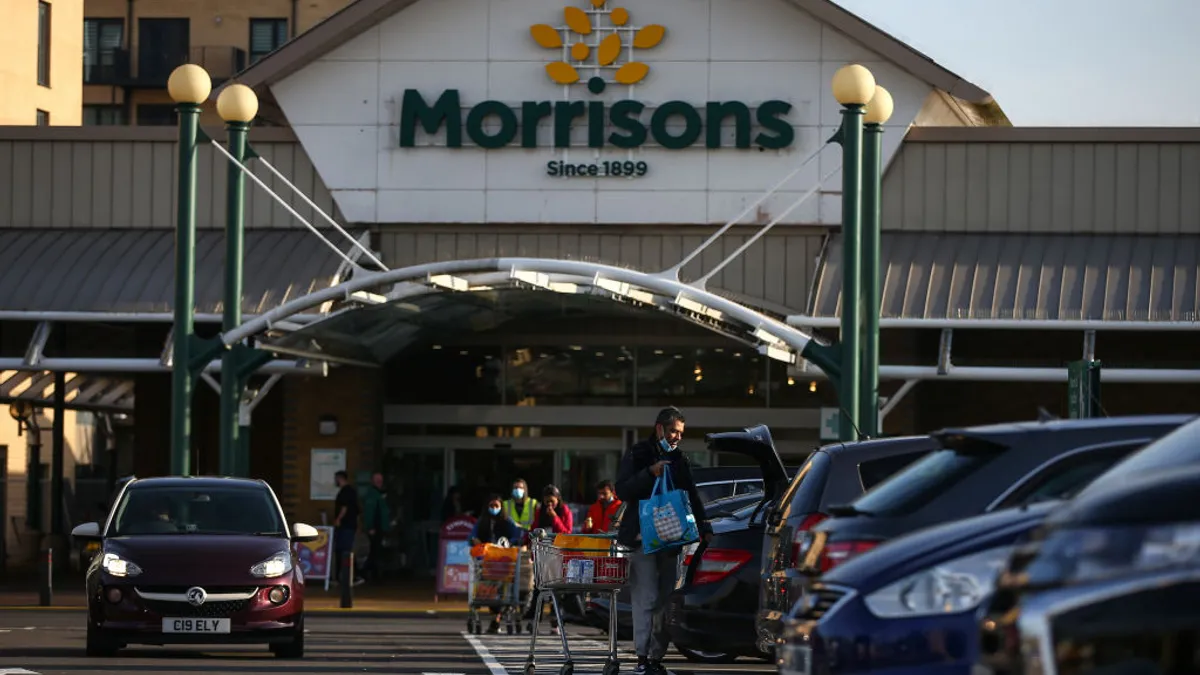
column 675, row 125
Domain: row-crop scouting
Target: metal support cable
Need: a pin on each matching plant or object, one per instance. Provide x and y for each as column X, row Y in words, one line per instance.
column 282, row 203
column 765, row 228
column 753, row 205
column 366, row 251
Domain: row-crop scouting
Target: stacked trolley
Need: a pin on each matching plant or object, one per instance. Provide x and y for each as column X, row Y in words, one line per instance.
column 495, row 582
column 577, row 563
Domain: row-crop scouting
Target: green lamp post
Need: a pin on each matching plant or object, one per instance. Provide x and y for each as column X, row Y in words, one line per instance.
column 189, row 86
column 237, row 105
column 853, row 87
column 879, row 111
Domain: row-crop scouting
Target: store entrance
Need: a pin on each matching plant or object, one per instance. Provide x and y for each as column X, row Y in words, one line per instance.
column 479, row 473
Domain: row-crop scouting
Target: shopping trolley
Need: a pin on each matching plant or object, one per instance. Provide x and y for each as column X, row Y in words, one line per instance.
column 495, row 581
column 578, row 563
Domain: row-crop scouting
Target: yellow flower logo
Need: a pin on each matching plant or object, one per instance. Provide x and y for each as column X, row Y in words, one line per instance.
column 606, row 28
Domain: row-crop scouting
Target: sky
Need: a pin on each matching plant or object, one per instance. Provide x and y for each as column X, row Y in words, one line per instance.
column 1084, row 63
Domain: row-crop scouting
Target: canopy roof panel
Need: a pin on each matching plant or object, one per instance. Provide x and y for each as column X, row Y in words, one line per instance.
column 1092, row 277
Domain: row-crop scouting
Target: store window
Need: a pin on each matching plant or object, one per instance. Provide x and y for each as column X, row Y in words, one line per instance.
column 706, row 376
column 569, row 375
column 445, row 374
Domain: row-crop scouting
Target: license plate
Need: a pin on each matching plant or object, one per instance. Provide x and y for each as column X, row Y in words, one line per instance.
column 201, row 626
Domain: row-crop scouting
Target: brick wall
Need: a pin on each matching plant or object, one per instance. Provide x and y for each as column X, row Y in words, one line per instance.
column 354, row 397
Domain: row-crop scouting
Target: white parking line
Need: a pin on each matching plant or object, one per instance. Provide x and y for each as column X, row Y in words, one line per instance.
column 492, row 664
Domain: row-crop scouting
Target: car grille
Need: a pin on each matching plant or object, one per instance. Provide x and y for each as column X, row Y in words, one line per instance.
column 826, row 598
column 181, row 590
column 209, row 610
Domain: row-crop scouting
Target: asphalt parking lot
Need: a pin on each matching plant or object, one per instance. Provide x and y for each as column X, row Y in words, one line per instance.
column 52, row 642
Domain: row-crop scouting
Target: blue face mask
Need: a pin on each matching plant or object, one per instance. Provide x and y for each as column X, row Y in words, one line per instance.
column 666, row 447
column 494, row 510
column 518, row 493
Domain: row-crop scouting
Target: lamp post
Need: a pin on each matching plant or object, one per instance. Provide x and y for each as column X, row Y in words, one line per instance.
column 853, row 87
column 189, row 86
column 237, row 105
column 879, row 110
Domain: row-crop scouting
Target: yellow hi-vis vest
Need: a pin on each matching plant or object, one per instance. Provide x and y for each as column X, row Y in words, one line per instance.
column 525, row 517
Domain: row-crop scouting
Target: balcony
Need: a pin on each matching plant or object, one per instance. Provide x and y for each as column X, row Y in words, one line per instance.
column 106, row 66
column 154, row 68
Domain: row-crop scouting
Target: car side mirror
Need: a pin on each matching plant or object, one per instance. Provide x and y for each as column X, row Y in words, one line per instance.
column 302, row 532
column 86, row 531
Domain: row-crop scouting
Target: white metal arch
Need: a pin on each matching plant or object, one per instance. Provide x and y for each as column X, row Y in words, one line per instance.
column 775, row 338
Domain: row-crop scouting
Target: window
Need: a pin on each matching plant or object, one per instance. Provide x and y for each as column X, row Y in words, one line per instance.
column 874, row 471
column 102, row 40
column 1181, row 447
column 924, row 480
column 156, row 115
column 1069, row 474
column 104, row 115
column 43, row 65
column 43, row 118
column 197, row 511
column 266, row 35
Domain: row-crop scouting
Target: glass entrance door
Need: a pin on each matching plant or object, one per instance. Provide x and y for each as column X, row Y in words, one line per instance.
column 479, row 473
column 415, row 480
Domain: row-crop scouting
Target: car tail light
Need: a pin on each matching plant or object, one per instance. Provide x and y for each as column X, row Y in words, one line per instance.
column 717, row 564
column 799, row 544
column 839, row 552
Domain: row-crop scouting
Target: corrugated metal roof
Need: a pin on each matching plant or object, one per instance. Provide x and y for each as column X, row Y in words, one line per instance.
column 84, row 391
column 1028, row 276
column 134, row 270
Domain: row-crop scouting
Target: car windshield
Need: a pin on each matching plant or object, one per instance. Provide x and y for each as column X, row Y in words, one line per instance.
column 187, row 509
column 1181, row 447
column 923, row 480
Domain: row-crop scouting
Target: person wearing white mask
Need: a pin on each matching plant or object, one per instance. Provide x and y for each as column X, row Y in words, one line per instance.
column 522, row 509
column 653, row 576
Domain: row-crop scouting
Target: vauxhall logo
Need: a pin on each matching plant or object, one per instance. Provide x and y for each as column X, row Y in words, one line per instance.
column 601, row 45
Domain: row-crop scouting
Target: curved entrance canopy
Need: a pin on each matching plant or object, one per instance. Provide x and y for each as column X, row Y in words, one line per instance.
column 378, row 305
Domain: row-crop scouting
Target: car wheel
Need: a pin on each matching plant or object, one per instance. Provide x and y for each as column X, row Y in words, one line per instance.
column 99, row 644
column 701, row 656
column 293, row 649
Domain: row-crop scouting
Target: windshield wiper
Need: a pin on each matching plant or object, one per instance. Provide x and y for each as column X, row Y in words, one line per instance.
column 845, row 510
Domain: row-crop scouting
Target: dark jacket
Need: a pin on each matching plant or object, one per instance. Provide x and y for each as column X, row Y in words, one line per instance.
column 635, row 483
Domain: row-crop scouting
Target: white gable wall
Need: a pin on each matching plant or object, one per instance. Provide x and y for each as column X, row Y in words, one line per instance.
column 345, row 109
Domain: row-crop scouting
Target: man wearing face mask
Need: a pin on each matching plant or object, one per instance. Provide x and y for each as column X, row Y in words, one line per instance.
column 600, row 515
column 522, row 509
column 653, row 576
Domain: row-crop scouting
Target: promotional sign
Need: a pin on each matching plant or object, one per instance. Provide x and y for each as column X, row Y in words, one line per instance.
column 598, row 46
column 454, row 555
column 316, row 557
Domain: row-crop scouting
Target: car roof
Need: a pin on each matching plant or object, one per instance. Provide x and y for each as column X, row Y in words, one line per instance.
column 195, row 482
column 1067, row 425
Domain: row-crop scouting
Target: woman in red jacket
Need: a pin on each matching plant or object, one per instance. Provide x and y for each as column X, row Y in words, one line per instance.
column 554, row 515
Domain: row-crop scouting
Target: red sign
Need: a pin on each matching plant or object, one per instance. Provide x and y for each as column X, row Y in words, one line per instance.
column 454, row 555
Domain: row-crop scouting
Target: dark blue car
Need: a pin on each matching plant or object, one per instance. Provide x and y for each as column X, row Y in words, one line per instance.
column 910, row 606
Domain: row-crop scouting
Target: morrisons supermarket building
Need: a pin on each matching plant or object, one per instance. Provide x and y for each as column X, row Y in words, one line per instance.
column 457, row 129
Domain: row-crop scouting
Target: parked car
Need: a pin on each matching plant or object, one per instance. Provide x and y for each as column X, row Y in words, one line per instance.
column 710, row 616
column 718, row 482
column 976, row 470
column 834, row 474
column 1110, row 583
column 195, row 560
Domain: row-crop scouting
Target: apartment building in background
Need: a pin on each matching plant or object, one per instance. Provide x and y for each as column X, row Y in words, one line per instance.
column 40, row 71
column 130, row 48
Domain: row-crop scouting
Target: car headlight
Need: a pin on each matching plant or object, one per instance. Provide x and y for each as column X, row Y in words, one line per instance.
column 1088, row 554
column 275, row 566
column 959, row 585
column 118, row 566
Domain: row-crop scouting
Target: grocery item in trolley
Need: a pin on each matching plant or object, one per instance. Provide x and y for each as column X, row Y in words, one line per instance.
column 667, row 521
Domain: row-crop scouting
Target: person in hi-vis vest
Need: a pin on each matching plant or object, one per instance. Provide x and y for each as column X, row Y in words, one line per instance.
column 521, row 509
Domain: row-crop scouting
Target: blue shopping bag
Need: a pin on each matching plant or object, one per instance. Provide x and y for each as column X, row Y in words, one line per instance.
column 666, row 518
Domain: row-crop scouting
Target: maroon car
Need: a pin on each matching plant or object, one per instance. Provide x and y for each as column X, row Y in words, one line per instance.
column 195, row 561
